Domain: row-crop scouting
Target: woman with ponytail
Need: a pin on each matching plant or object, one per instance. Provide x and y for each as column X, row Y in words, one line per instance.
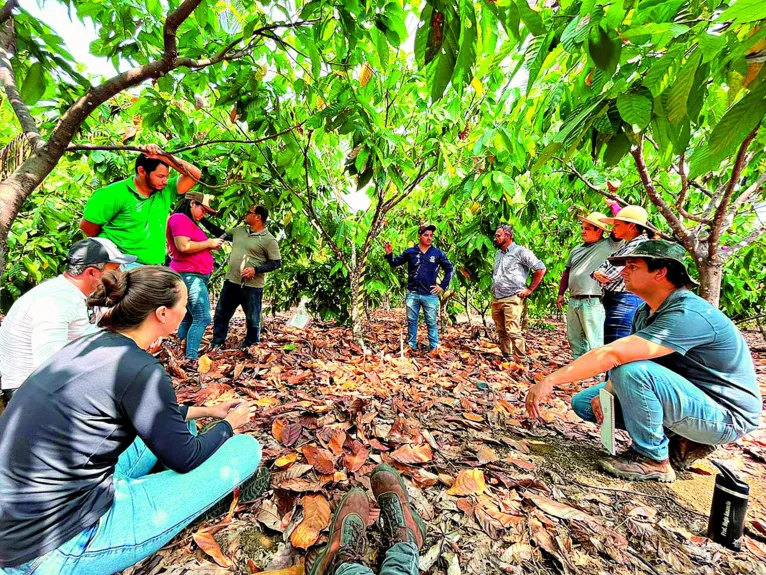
column 82, row 435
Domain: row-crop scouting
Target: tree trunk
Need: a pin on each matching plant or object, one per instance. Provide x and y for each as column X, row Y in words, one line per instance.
column 356, row 280
column 710, row 282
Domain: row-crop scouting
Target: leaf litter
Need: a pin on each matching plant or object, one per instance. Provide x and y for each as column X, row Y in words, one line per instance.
column 499, row 493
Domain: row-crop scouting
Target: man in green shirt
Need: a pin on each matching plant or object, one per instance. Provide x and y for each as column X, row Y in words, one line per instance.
column 585, row 316
column 133, row 212
column 254, row 252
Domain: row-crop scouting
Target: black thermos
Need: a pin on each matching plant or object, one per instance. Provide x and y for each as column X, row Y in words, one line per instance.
column 727, row 512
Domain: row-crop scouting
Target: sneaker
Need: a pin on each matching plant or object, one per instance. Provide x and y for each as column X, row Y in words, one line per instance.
column 347, row 539
column 684, row 452
column 249, row 491
column 401, row 523
column 635, row 467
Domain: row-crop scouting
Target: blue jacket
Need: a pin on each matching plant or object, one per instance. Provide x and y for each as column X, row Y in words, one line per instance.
column 422, row 268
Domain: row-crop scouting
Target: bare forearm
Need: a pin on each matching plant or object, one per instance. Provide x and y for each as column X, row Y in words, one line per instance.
column 594, row 362
column 537, row 277
column 198, row 412
column 183, row 166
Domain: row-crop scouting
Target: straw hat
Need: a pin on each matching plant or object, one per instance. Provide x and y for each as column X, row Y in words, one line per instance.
column 630, row 214
column 595, row 219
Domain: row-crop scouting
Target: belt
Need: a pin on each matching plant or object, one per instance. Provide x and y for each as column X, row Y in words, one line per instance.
column 585, row 296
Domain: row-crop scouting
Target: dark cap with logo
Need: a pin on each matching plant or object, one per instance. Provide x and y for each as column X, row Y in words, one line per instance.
column 425, row 227
column 93, row 251
column 656, row 250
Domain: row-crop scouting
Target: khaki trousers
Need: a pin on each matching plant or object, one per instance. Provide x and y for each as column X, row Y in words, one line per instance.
column 507, row 313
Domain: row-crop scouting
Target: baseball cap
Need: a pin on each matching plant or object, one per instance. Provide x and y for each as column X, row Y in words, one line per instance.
column 202, row 199
column 97, row 251
column 425, row 228
column 656, row 250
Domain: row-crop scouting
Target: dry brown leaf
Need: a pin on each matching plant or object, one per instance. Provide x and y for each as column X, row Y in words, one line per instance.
column 410, row 455
column 560, row 510
column 205, row 540
column 286, row 460
column 336, row 443
column 366, row 75
column 357, row 459
column 473, row 416
column 238, row 370
column 204, row 364
column 466, row 506
column 294, row 570
column 468, row 482
column 520, row 463
column 316, row 516
column 291, row 433
column 486, row 455
column 276, row 429
column 319, row 459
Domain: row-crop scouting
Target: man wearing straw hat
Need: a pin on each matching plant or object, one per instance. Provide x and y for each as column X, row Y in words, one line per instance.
column 585, row 316
column 630, row 225
column 683, row 380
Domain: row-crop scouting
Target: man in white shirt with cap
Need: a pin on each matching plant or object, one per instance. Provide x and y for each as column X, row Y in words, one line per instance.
column 52, row 314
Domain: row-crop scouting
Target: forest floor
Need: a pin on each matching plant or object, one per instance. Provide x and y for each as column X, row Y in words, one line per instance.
column 500, row 494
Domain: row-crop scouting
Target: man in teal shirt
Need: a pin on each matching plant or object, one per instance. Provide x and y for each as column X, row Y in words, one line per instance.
column 133, row 212
column 683, row 381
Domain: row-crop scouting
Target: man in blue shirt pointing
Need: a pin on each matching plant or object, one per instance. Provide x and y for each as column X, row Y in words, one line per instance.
column 423, row 262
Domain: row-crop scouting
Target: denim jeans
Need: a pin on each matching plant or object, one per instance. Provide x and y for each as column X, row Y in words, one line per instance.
column 430, row 305
column 148, row 509
column 197, row 316
column 232, row 296
column 620, row 309
column 401, row 559
column 652, row 398
column 585, row 325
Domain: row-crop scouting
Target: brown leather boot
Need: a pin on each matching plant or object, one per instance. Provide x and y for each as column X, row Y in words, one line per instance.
column 635, row 467
column 684, row 452
column 347, row 538
column 401, row 523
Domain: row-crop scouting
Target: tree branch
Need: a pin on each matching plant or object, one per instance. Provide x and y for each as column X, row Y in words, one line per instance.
column 751, row 238
column 118, row 148
column 741, row 200
column 723, row 206
column 7, row 77
column 684, row 190
column 570, row 169
column 687, row 239
column 7, row 10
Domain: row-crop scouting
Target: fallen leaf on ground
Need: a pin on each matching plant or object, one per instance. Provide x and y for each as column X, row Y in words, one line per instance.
column 468, row 482
column 204, row 364
column 316, row 516
column 410, row 455
column 209, row 545
column 319, row 459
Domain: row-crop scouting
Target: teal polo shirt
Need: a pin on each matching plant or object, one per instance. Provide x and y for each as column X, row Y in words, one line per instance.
column 134, row 223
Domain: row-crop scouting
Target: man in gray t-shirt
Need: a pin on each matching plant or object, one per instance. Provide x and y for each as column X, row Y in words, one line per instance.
column 586, row 315
column 513, row 264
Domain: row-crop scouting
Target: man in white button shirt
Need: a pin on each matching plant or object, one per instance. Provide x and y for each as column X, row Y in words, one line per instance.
column 50, row 315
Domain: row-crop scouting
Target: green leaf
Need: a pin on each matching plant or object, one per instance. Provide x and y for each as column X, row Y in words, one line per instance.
column 393, row 19
column 678, row 93
column 575, row 33
column 657, row 32
column 743, row 11
column 439, row 71
column 466, row 56
column 730, row 132
column 657, row 77
column 33, row 87
column 603, row 49
column 535, row 56
column 635, row 109
column 532, row 19
column 710, row 45
column 616, row 150
column 548, row 152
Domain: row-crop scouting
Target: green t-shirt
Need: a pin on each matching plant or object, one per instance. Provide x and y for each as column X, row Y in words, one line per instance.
column 583, row 261
column 710, row 352
column 134, row 223
column 250, row 249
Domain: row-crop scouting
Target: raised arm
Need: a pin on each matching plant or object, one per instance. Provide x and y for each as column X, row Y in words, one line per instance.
column 190, row 174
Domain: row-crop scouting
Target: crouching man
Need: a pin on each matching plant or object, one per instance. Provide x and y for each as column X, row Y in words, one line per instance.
column 683, row 381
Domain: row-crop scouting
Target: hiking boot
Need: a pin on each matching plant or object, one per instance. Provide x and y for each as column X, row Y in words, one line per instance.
column 249, row 491
column 401, row 523
column 684, row 452
column 635, row 467
column 347, row 539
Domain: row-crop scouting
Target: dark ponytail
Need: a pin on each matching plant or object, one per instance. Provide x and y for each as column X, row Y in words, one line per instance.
column 131, row 296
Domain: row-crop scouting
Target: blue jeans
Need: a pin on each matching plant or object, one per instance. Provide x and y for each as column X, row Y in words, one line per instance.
column 585, row 325
column 148, row 509
column 430, row 305
column 401, row 559
column 232, row 296
column 197, row 316
column 652, row 398
column 620, row 309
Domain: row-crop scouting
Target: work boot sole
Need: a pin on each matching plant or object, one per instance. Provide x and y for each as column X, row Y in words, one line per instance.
column 249, row 491
column 662, row 477
column 415, row 515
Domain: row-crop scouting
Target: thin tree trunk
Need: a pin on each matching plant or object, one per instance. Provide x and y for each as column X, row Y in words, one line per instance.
column 710, row 282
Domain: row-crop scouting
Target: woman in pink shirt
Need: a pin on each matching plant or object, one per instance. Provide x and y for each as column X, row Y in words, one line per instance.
column 192, row 257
